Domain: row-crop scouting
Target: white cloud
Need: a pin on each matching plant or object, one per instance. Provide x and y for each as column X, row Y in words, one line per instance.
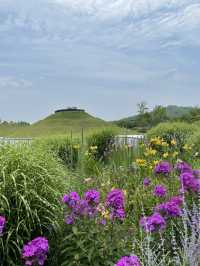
column 9, row 82
column 120, row 24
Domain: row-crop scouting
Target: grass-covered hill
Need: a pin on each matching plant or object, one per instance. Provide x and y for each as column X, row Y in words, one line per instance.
column 57, row 123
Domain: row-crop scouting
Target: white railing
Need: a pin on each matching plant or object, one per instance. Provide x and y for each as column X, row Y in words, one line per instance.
column 131, row 140
column 5, row 140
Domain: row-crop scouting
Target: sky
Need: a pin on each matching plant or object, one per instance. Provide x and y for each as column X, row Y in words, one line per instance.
column 104, row 56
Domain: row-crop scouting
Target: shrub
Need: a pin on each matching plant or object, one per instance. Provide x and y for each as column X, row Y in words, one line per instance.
column 181, row 132
column 31, row 183
column 101, row 144
column 63, row 148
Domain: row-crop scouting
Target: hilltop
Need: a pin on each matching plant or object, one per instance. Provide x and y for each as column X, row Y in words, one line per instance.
column 61, row 122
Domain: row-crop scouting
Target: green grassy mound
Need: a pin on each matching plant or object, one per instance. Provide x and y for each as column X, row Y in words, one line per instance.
column 58, row 123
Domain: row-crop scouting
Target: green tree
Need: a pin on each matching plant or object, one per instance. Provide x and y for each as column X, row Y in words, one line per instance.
column 158, row 115
column 142, row 107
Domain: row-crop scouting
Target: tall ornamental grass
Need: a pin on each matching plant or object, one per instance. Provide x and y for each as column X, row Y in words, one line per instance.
column 31, row 184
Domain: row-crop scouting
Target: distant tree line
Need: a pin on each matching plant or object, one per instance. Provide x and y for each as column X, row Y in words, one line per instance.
column 146, row 119
column 13, row 123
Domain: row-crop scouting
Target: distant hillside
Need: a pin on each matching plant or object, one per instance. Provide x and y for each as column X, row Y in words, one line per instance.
column 172, row 112
column 62, row 122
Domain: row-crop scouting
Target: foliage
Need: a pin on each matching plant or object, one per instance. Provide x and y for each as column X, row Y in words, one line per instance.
column 148, row 119
column 101, row 144
column 64, row 148
column 195, row 142
column 31, row 183
column 179, row 131
column 94, row 237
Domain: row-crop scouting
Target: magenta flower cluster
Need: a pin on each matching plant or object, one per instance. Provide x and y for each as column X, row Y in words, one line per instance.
column 189, row 182
column 159, row 191
column 35, row 252
column 89, row 206
column 153, row 223
column 183, row 167
column 128, row 261
column 2, row 224
column 171, row 208
column 196, row 173
column 163, row 167
column 81, row 207
column 115, row 204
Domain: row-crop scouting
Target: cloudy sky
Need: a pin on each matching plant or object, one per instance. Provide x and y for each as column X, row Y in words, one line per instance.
column 104, row 56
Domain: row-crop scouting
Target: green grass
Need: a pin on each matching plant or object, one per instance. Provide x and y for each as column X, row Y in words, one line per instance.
column 59, row 124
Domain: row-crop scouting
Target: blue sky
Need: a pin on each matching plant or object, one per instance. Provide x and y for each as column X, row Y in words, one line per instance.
column 104, row 56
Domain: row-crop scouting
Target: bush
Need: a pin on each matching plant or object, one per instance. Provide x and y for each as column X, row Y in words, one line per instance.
column 101, row 144
column 181, row 132
column 31, row 184
column 63, row 148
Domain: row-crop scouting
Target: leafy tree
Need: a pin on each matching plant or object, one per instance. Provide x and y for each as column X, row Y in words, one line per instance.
column 158, row 115
column 142, row 108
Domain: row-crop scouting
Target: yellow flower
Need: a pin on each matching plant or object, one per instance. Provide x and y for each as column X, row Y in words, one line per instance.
column 106, row 214
column 186, row 147
column 141, row 162
column 150, row 152
column 155, row 162
column 165, row 155
column 125, row 192
column 76, row 146
column 173, row 142
column 164, row 144
column 156, row 141
column 93, row 148
column 174, row 154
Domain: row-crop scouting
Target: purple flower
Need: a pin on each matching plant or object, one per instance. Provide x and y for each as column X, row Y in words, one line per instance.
column 196, row 173
column 71, row 200
column 2, row 224
column 115, row 199
column 81, row 207
column 159, row 191
column 35, row 252
column 103, row 222
column 153, row 223
column 115, row 202
column 183, row 167
column 177, row 200
column 163, row 167
column 128, row 261
column 92, row 196
column 69, row 219
column 146, row 182
column 65, row 198
column 170, row 208
column 117, row 213
column 190, row 182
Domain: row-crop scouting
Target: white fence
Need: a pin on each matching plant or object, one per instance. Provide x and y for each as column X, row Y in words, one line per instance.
column 131, row 140
column 15, row 140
